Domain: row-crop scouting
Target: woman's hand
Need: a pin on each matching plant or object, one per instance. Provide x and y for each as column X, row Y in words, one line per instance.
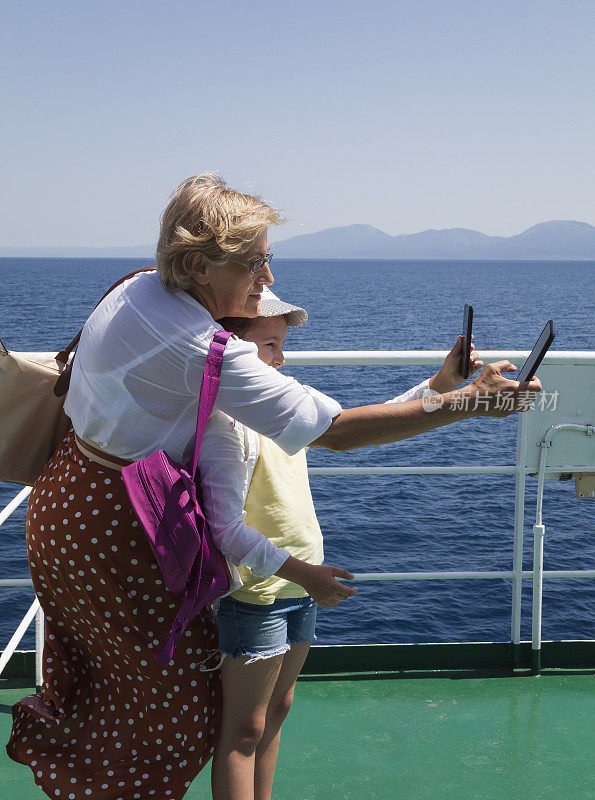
column 449, row 376
column 319, row 581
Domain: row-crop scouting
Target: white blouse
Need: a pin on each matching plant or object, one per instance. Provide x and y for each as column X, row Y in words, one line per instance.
column 138, row 369
column 226, row 462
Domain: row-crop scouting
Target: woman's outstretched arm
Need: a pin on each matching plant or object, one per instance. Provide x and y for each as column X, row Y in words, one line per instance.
column 490, row 394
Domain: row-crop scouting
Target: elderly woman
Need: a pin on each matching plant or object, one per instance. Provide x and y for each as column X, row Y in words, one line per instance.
column 111, row 723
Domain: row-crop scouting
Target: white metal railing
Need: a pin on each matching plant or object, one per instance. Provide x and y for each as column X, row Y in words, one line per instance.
column 412, row 358
column 433, row 358
column 35, row 611
column 14, row 503
column 399, row 358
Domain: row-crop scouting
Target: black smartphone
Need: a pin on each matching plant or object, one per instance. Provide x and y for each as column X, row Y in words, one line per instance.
column 466, row 351
column 529, row 368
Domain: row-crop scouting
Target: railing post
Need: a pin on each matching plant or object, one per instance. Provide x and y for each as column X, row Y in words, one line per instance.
column 18, row 635
column 519, row 524
column 538, row 534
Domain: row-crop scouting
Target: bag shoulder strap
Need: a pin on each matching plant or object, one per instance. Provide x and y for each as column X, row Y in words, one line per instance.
column 208, row 390
column 63, row 382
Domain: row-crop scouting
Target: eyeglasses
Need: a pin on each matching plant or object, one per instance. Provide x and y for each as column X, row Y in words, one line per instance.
column 257, row 263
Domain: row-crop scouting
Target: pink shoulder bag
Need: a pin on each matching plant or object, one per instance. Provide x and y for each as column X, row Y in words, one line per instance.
column 167, row 502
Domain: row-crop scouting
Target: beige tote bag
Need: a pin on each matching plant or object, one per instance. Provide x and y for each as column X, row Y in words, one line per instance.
column 32, row 418
column 33, row 387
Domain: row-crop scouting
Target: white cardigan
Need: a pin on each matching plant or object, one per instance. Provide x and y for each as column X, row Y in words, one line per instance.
column 227, row 458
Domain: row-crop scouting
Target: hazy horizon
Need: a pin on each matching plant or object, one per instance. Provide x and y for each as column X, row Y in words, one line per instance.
column 272, row 239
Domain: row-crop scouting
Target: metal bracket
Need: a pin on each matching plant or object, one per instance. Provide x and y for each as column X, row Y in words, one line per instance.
column 584, row 486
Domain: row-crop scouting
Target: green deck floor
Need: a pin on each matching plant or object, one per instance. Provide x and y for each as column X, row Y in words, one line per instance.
column 420, row 738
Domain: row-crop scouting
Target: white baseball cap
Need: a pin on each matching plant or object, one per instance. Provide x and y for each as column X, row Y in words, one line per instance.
column 272, row 306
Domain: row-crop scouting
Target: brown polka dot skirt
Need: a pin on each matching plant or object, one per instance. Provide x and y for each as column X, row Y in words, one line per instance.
column 111, row 722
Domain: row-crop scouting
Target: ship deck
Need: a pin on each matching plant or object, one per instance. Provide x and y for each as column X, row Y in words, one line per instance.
column 420, row 735
column 467, row 721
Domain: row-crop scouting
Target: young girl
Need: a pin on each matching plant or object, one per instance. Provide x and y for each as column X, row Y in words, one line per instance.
column 261, row 515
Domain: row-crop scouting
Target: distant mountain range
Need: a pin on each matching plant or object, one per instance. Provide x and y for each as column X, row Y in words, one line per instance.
column 558, row 239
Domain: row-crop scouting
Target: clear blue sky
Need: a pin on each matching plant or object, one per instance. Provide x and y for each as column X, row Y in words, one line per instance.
column 405, row 115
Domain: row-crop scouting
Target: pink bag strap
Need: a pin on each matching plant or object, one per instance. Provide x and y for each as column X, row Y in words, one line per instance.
column 208, row 389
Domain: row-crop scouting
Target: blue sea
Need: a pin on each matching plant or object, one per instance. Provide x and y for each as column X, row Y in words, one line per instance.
column 402, row 523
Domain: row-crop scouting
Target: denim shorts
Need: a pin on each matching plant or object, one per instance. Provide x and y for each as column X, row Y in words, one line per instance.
column 261, row 631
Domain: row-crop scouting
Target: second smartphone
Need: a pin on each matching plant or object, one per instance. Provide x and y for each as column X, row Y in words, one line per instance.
column 466, row 352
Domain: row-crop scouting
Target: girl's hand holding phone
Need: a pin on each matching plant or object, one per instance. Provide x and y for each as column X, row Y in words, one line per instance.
column 449, row 376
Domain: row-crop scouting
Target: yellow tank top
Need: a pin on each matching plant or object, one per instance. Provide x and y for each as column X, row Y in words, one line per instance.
column 279, row 505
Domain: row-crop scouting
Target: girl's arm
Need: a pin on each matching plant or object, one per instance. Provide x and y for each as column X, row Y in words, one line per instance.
column 318, row 580
column 224, row 473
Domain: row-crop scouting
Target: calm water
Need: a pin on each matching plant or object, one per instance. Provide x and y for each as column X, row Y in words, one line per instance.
column 383, row 523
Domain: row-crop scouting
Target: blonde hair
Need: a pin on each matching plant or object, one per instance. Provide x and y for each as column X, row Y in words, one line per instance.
column 205, row 216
